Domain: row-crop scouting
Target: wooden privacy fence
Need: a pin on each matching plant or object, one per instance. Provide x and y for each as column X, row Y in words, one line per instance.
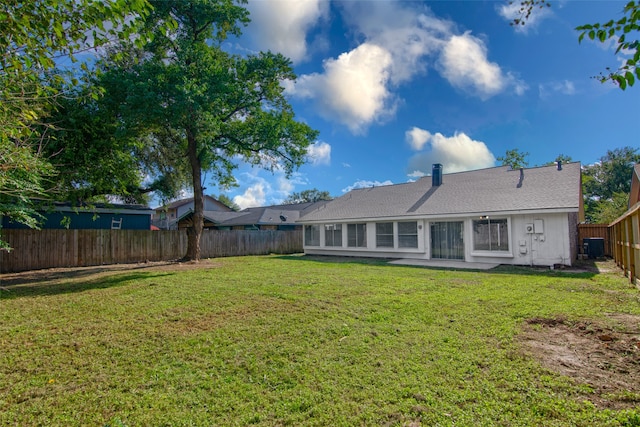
column 37, row 249
column 586, row 231
column 626, row 240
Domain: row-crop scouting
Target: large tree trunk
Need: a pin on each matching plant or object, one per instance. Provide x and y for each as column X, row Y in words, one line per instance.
column 195, row 230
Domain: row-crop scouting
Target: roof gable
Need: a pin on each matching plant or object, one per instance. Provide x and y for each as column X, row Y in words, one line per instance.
column 178, row 203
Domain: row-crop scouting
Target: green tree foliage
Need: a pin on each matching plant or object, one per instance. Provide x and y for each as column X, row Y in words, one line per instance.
column 606, row 211
column 606, row 184
column 515, row 158
column 33, row 34
column 624, row 31
column 93, row 159
column 313, row 195
column 201, row 108
column 226, row 200
column 563, row 158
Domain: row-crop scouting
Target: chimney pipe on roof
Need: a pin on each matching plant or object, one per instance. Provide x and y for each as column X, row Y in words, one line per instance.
column 436, row 175
column 559, row 165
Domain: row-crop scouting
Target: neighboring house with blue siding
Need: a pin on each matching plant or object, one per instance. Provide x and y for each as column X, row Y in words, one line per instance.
column 97, row 216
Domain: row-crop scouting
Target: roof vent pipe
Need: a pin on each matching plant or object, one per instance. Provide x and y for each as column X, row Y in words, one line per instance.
column 436, row 175
column 559, row 165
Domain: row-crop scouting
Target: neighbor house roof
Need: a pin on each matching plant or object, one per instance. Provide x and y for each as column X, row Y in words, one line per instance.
column 213, row 216
column 484, row 191
column 176, row 204
column 117, row 208
column 271, row 215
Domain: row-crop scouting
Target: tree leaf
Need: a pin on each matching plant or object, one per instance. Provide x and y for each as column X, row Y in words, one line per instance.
column 602, row 35
column 630, row 78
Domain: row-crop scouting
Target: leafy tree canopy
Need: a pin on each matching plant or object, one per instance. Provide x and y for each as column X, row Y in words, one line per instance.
column 605, row 184
column 313, row 195
column 199, row 109
column 562, row 158
column 515, row 158
column 624, row 31
column 226, row 200
column 33, row 35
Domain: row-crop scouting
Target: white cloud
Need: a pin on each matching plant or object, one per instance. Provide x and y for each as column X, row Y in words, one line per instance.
column 282, row 25
column 564, row 87
column 416, row 174
column 261, row 191
column 319, row 153
column 397, row 41
column 352, row 90
column 346, row 165
column 512, row 11
column 410, row 34
column 456, row 153
column 417, row 138
column 365, row 184
column 253, row 196
column 465, row 65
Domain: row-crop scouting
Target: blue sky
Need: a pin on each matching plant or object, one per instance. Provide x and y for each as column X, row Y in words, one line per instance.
column 394, row 87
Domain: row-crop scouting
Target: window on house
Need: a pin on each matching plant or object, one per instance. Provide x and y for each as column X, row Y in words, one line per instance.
column 384, row 234
column 333, row 235
column 312, row 235
column 408, row 234
column 490, row 235
column 357, row 235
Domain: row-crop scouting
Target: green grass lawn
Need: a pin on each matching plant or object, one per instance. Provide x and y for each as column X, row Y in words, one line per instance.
column 283, row 340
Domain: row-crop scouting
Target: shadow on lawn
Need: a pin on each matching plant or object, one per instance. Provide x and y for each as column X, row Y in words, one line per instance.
column 582, row 268
column 71, row 283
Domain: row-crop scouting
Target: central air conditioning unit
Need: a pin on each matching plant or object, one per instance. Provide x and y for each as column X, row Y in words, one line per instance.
column 529, row 228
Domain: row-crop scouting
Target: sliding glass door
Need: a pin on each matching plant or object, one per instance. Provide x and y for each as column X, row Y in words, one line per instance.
column 447, row 240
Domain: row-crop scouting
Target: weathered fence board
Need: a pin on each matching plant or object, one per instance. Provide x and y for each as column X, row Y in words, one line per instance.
column 596, row 230
column 626, row 235
column 38, row 249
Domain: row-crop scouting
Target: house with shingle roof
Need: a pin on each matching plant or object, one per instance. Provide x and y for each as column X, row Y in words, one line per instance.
column 275, row 217
column 168, row 216
column 495, row 215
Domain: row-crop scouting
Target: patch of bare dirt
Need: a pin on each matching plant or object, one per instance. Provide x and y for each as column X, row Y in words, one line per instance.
column 604, row 355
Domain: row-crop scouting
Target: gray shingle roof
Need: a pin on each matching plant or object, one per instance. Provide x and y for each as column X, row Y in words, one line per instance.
column 270, row 215
column 481, row 191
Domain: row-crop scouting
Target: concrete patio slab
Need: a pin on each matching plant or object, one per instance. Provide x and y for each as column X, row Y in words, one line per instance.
column 441, row 263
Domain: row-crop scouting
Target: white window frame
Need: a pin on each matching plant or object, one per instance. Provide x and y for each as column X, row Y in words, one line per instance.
column 492, row 252
column 415, row 235
column 362, row 234
column 385, row 235
column 315, row 229
column 331, row 231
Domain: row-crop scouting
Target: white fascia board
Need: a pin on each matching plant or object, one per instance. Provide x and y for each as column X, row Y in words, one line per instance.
column 439, row 216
